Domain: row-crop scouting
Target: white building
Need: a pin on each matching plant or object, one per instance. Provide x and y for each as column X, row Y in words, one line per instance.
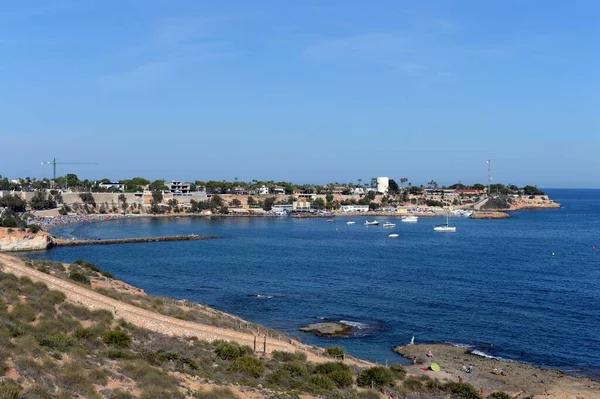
column 354, row 208
column 262, row 190
column 383, row 184
column 112, row 184
column 278, row 190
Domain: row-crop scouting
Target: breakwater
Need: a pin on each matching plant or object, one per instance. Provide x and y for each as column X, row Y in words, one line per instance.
column 111, row 241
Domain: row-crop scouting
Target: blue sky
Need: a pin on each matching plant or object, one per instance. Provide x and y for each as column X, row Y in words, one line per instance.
column 308, row 91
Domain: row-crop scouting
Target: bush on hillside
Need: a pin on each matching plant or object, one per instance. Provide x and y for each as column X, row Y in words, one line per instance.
column 499, row 395
column 248, row 365
column 119, row 339
column 335, row 351
column 322, row 382
column 376, row 376
column 231, row 350
column 288, row 357
column 80, row 278
column 461, row 390
column 398, row 371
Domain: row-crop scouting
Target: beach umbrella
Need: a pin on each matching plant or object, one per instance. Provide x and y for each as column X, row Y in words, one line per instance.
column 434, row 367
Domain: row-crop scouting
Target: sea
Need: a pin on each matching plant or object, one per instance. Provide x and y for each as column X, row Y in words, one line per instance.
column 525, row 288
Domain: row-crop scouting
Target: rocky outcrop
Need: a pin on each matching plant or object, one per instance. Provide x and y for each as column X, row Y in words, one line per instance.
column 14, row 239
column 489, row 215
column 328, row 329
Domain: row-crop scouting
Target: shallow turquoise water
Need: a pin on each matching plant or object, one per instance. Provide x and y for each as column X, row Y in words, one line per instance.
column 494, row 285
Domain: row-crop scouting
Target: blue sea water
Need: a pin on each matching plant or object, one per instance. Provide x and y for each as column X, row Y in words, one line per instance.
column 525, row 288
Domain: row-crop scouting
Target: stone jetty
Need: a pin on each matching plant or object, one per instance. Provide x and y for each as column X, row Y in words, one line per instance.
column 110, row 241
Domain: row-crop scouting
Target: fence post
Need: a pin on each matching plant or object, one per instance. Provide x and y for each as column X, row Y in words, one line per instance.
column 255, row 343
column 265, row 345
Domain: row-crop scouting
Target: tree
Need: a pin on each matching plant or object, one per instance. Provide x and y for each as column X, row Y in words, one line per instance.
column 123, row 201
column 250, row 201
column 158, row 185
column 12, row 202
column 41, row 200
column 432, row 184
column 319, row 203
column 236, row 202
column 532, row 190
column 87, row 198
column 393, row 186
column 268, row 203
column 216, row 201
column 478, row 186
column 157, row 196
column 329, row 197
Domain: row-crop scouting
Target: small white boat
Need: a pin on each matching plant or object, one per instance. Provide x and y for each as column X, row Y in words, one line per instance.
column 373, row 223
column 410, row 219
column 350, row 222
column 389, row 224
column 393, row 235
column 445, row 227
column 329, row 220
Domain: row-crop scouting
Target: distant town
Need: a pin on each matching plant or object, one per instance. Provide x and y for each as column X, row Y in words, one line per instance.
column 67, row 195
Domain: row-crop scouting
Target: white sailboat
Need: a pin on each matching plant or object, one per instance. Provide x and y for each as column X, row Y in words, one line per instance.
column 445, row 227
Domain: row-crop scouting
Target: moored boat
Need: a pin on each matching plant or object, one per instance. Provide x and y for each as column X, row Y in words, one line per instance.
column 373, row 223
column 389, row 224
column 410, row 219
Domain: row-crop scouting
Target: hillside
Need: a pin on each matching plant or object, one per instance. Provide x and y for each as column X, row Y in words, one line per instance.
column 53, row 347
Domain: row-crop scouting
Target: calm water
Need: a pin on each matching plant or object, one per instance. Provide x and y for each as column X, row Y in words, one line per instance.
column 494, row 285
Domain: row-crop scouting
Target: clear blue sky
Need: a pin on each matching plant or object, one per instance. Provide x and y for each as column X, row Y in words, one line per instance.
column 308, row 91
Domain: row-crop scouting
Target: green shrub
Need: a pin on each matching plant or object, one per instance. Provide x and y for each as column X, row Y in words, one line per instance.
column 216, row 393
column 23, row 313
column 341, row 378
column 322, row 382
column 119, row 339
column 376, row 376
column 398, row 371
column 78, row 277
column 9, row 390
column 461, row 390
column 335, row 351
column 83, row 333
column 34, row 228
column 231, row 350
column 329, row 367
column 499, row 395
column 295, row 369
column 59, row 342
column 412, row 384
column 288, row 357
column 248, row 365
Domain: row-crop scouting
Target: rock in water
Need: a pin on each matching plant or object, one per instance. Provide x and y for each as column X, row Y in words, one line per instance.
column 328, row 329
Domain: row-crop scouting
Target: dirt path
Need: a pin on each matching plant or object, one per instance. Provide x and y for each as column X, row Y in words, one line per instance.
column 154, row 321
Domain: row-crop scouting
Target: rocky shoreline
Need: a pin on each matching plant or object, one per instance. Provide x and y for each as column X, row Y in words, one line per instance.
column 518, row 379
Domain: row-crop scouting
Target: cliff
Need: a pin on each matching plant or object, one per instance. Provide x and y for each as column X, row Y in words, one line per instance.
column 14, row 239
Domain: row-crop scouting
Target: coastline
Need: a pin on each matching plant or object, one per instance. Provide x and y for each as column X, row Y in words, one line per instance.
column 490, row 374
